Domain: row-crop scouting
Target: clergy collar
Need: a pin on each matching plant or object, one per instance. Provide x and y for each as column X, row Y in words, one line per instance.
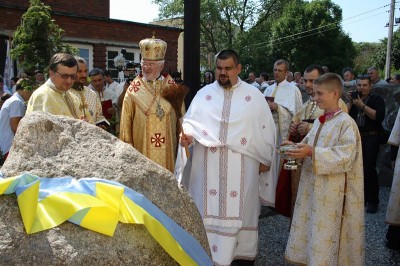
column 160, row 77
column 283, row 82
column 53, row 87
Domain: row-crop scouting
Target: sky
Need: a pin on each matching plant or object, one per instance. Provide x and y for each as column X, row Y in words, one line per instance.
column 363, row 20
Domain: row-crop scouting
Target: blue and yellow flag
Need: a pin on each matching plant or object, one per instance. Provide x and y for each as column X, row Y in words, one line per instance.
column 98, row 205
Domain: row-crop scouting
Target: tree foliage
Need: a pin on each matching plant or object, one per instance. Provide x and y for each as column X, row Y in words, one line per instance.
column 310, row 33
column 367, row 54
column 378, row 58
column 223, row 21
column 302, row 32
column 37, row 38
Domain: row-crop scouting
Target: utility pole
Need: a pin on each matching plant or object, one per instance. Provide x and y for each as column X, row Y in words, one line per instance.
column 389, row 41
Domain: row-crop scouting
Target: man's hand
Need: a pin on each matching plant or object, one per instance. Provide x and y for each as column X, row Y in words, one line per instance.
column 286, row 142
column 301, row 152
column 111, row 110
column 273, row 106
column 84, row 118
column 302, row 128
column 263, row 168
column 358, row 102
column 185, row 139
column 293, row 128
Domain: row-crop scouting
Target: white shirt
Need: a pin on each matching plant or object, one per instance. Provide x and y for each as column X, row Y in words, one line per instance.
column 12, row 107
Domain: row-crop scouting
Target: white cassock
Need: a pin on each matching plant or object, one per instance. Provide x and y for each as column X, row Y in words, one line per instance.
column 233, row 133
column 289, row 100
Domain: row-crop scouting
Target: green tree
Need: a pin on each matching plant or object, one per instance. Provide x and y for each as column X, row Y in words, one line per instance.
column 310, row 32
column 223, row 21
column 378, row 58
column 366, row 56
column 37, row 38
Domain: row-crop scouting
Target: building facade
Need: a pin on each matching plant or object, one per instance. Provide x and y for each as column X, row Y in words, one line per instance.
column 88, row 27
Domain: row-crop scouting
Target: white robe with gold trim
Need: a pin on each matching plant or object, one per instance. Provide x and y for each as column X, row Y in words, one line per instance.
column 289, row 100
column 328, row 220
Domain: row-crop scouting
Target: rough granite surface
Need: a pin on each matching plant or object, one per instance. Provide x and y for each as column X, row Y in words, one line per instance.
column 54, row 146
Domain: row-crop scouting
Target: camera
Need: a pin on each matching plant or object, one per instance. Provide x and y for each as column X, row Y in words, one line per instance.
column 355, row 94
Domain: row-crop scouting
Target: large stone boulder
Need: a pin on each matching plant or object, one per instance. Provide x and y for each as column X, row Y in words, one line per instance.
column 54, row 146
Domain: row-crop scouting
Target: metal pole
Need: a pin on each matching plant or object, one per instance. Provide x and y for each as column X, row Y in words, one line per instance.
column 191, row 53
column 389, row 41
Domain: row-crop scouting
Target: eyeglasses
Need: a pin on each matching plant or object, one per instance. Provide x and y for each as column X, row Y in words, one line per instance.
column 66, row 76
column 362, row 76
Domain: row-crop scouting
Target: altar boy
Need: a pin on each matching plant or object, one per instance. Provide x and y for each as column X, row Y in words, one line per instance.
column 328, row 220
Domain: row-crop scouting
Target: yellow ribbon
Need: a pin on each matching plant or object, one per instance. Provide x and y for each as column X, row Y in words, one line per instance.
column 101, row 213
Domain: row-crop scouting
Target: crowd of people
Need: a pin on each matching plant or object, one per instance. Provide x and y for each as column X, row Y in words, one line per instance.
column 224, row 149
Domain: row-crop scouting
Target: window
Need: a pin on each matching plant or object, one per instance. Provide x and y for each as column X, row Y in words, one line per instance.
column 131, row 55
column 86, row 52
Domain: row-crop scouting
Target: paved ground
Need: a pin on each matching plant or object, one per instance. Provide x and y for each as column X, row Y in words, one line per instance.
column 274, row 230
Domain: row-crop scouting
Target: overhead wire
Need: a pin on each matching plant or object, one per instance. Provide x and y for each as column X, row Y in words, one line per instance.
column 321, row 27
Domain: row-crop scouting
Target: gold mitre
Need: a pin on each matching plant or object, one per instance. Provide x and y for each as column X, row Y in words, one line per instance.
column 153, row 49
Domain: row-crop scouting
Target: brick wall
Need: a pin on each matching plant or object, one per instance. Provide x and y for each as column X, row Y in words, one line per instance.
column 91, row 8
column 101, row 32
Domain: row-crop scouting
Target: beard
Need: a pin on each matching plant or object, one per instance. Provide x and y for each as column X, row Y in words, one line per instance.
column 224, row 82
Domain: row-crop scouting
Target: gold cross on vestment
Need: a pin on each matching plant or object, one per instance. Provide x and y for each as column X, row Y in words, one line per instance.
column 83, row 107
column 330, row 241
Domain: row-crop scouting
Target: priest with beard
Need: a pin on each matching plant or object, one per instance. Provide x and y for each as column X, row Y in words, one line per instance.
column 231, row 132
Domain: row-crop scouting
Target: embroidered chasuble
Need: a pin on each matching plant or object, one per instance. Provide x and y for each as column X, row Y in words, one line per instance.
column 328, row 220
column 148, row 121
column 393, row 210
column 234, row 132
column 89, row 101
column 50, row 100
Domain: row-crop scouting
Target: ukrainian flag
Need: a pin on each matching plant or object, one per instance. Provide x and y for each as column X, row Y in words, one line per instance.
column 98, row 205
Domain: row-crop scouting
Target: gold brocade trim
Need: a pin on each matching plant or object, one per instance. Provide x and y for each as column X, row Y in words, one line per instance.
column 84, row 104
column 275, row 90
column 67, row 98
column 145, row 104
column 314, row 144
column 342, row 217
column 70, row 105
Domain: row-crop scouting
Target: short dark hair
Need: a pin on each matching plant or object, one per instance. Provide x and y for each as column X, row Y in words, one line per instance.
column 18, row 85
column 396, row 76
column 95, row 72
column 364, row 77
column 63, row 59
column 313, row 67
column 284, row 62
column 5, row 97
column 349, row 69
column 228, row 53
column 331, row 80
column 264, row 75
column 107, row 73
